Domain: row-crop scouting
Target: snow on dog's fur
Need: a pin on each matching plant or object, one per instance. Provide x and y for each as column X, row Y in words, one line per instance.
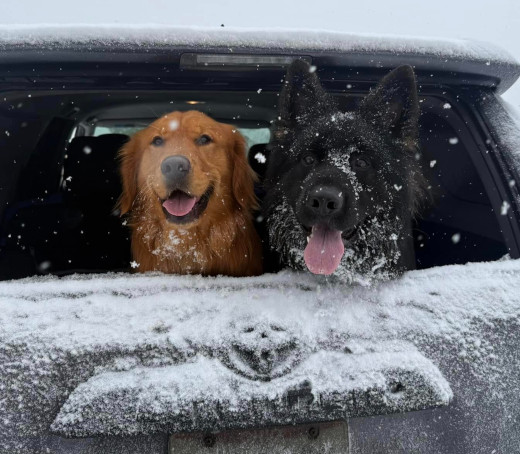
column 342, row 188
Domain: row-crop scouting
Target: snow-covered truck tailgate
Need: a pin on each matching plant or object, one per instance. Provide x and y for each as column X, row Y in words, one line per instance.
column 129, row 355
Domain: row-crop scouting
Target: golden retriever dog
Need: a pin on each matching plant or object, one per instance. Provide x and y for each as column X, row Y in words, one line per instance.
column 189, row 192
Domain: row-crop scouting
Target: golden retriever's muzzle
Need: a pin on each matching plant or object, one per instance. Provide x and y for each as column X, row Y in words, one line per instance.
column 181, row 207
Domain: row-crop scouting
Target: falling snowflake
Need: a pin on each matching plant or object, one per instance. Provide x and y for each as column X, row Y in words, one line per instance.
column 44, row 266
column 504, row 208
column 259, row 91
column 432, row 163
column 174, row 125
column 446, row 105
column 312, row 69
column 453, row 140
column 87, row 150
column 134, row 264
column 455, row 238
column 260, row 158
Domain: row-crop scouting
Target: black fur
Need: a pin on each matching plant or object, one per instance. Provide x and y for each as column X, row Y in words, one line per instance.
column 315, row 147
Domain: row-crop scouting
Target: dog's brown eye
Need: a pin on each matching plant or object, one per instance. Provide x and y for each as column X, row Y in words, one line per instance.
column 204, row 139
column 308, row 159
column 157, row 141
column 361, row 163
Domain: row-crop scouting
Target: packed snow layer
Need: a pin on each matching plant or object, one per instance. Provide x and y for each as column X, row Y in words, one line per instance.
column 88, row 311
column 124, row 354
column 85, row 312
column 62, row 36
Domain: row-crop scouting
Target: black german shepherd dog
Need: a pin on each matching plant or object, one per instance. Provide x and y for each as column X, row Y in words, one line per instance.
column 342, row 188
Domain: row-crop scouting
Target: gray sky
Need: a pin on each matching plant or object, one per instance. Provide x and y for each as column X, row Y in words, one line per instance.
column 495, row 21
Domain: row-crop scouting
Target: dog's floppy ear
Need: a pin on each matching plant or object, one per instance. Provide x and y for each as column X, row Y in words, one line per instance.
column 394, row 104
column 302, row 97
column 243, row 176
column 128, row 156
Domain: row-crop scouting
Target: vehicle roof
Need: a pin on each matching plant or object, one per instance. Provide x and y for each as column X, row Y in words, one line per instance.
column 479, row 63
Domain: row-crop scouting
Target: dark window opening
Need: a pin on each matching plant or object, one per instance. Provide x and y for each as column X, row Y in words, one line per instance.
column 61, row 183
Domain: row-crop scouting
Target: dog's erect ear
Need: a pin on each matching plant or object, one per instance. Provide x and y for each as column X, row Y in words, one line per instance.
column 394, row 104
column 302, row 97
column 128, row 169
column 243, row 185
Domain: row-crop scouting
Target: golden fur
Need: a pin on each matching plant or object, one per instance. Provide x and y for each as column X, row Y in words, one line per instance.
column 223, row 239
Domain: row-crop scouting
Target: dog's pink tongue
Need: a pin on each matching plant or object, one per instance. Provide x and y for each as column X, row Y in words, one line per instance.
column 324, row 250
column 179, row 204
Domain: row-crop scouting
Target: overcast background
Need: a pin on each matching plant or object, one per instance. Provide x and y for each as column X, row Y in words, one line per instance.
column 497, row 22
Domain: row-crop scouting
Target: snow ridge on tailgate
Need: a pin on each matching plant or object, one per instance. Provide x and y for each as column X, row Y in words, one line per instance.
column 85, row 312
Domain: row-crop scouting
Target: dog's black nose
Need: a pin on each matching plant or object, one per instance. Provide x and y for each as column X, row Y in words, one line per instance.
column 175, row 168
column 324, row 200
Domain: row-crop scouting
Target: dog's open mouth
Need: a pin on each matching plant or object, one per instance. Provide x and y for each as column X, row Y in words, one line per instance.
column 325, row 248
column 182, row 208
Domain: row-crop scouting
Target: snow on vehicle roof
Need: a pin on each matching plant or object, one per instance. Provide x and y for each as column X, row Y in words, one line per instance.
column 56, row 36
column 134, row 353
